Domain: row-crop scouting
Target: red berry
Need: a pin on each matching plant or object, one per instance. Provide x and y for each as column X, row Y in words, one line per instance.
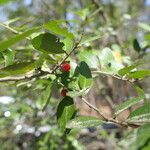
column 65, row 67
column 64, row 92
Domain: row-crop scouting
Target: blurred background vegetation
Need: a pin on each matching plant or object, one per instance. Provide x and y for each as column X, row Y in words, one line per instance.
column 23, row 126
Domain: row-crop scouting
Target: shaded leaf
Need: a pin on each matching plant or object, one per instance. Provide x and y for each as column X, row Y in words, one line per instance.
column 13, row 40
column 136, row 45
column 65, row 112
column 84, row 70
column 48, row 43
column 84, row 122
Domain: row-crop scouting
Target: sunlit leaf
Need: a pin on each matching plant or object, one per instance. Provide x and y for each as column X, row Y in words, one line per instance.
column 144, row 26
column 90, row 39
column 17, row 69
column 127, row 69
column 55, row 28
column 68, row 44
column 108, row 62
column 140, row 116
column 139, row 74
column 128, row 103
column 84, row 122
column 13, row 40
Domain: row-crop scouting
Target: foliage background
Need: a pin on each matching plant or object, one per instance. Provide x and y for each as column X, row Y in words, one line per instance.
column 23, row 125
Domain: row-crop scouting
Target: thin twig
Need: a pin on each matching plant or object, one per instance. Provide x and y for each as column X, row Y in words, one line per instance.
column 114, row 76
column 101, row 12
column 96, row 109
column 74, row 48
column 19, row 78
column 105, row 118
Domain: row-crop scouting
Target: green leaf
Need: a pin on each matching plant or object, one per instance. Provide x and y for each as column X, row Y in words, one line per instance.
column 84, row 80
column 136, row 45
column 140, row 92
column 127, row 104
column 68, row 44
column 145, row 26
column 85, row 77
column 84, row 83
column 55, row 28
column 84, row 122
column 127, row 69
column 136, row 139
column 90, row 39
column 139, row 74
column 78, row 93
column 2, row 2
column 143, row 135
column 84, row 70
column 8, row 22
column 140, row 116
column 147, row 37
column 65, row 112
column 9, row 56
column 90, row 58
column 13, row 40
column 1, row 58
column 17, row 69
column 48, row 43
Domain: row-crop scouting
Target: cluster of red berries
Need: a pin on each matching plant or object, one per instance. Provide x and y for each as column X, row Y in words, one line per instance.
column 65, row 67
column 64, row 92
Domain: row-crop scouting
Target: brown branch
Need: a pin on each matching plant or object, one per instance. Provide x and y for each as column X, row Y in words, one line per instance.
column 105, row 118
column 19, row 78
column 114, row 76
